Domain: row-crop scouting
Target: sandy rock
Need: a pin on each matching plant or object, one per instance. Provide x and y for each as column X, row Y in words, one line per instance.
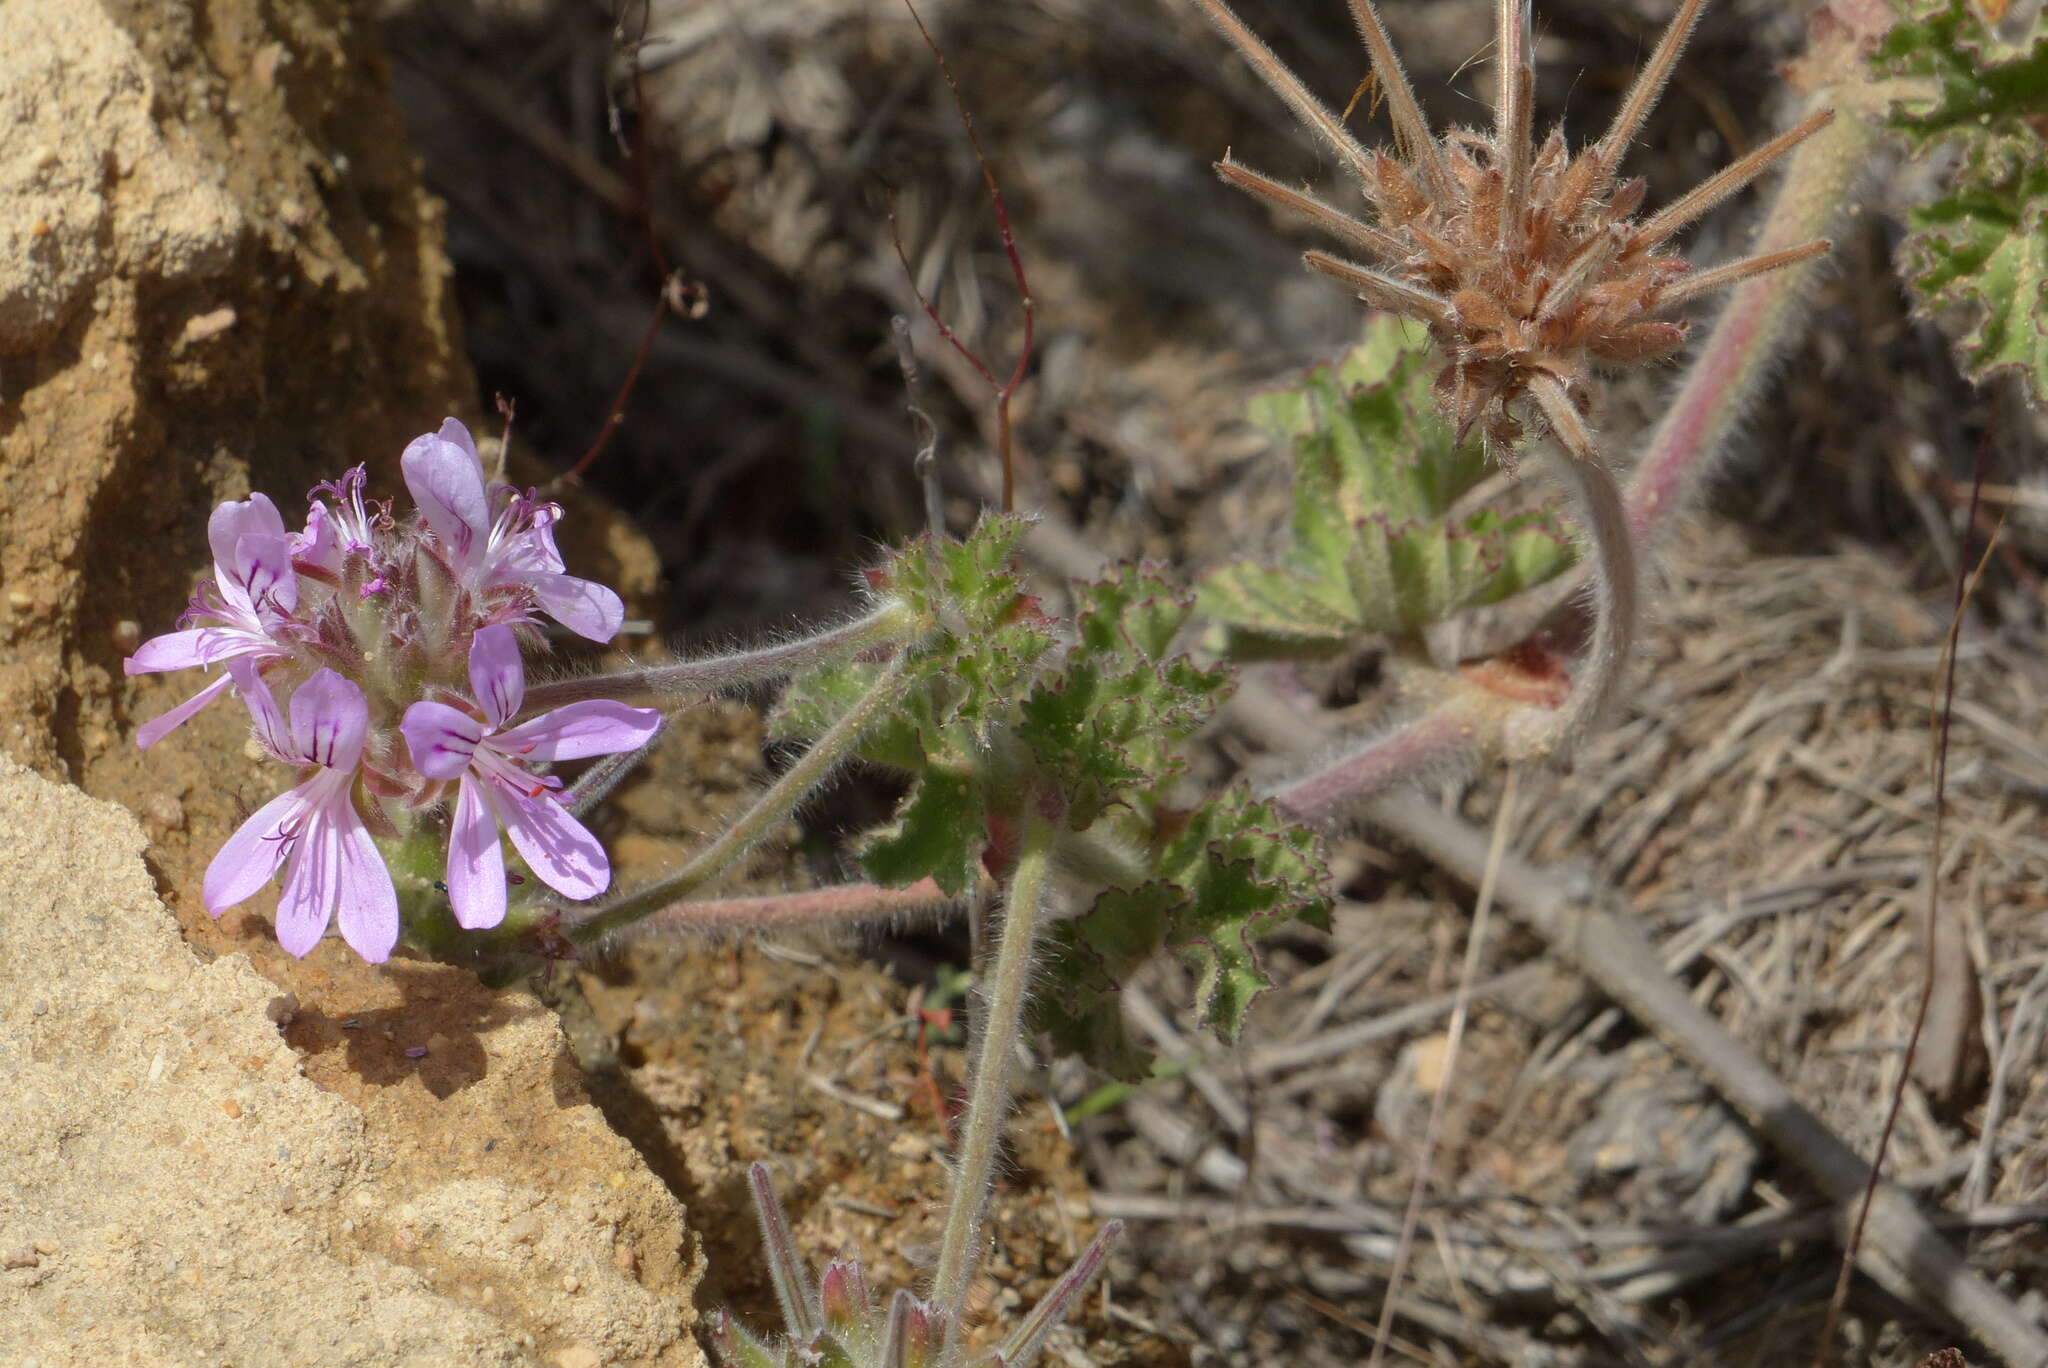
column 72, row 207
column 179, row 1190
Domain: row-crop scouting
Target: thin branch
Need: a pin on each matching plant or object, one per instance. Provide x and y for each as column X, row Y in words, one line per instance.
column 925, row 464
column 1944, row 716
column 887, row 624
column 1324, row 216
column 1289, row 88
column 790, row 789
column 1735, row 272
column 848, row 905
column 1758, row 323
column 1381, row 290
column 1597, row 504
column 1006, row 389
column 989, row 1096
column 1447, row 736
column 1649, row 85
column 1411, row 130
column 1727, row 181
column 1513, row 114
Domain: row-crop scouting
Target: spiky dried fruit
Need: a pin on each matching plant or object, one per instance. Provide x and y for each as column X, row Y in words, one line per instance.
column 1527, row 263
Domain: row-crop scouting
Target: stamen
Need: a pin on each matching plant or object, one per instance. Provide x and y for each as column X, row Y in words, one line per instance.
column 1327, row 217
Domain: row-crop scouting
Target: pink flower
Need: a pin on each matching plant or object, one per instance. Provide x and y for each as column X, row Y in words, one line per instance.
column 496, row 791
column 513, row 548
column 348, row 529
column 246, row 608
column 315, row 826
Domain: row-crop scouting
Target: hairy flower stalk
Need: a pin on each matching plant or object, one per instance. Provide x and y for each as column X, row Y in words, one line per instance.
column 889, row 623
column 989, row 1099
column 1530, row 267
column 772, row 808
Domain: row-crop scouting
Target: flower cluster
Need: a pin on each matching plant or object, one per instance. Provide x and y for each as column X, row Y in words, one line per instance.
column 401, row 639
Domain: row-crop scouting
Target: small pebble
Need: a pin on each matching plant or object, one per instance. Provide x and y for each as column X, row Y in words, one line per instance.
column 22, row 1257
column 571, row 1283
column 231, row 1107
column 416, row 1052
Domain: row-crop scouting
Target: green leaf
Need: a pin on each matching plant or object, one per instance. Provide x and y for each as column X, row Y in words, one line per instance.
column 1245, row 870
column 1231, row 873
column 1107, row 724
column 1976, row 254
column 1087, row 958
column 939, row 833
column 1373, row 546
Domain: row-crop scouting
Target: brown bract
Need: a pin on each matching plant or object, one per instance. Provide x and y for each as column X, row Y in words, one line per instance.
column 1530, row 265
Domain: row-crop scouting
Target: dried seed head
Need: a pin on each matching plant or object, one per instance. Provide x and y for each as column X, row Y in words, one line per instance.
column 1525, row 262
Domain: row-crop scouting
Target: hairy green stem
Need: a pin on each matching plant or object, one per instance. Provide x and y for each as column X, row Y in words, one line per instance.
column 989, row 1099
column 773, row 807
column 893, row 622
column 1449, row 734
column 1617, row 593
column 839, row 905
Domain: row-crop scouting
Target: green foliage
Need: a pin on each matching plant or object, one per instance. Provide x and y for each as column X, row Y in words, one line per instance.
column 1108, row 723
column 1000, row 725
column 1980, row 248
column 1233, row 871
column 994, row 716
column 1375, row 546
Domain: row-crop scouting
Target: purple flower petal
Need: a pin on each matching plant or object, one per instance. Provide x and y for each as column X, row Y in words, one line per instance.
column 171, row 651
column 320, row 543
column 476, row 862
column 330, row 718
column 245, row 862
column 585, row 607
column 262, row 570
column 566, row 857
column 447, row 482
column 312, row 878
column 233, row 520
column 456, row 434
column 598, row 726
column 271, row 731
column 443, row 740
column 496, row 674
column 154, row 730
column 369, row 903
